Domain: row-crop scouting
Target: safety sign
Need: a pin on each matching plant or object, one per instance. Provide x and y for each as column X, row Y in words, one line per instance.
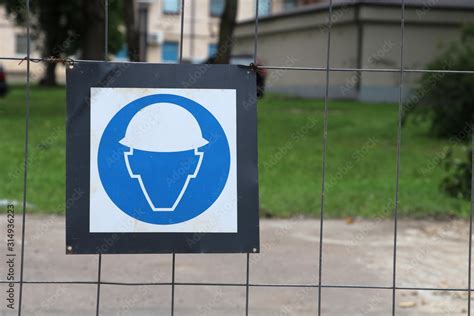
column 165, row 156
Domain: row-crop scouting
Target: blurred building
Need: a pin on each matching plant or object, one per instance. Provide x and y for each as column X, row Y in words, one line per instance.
column 14, row 44
column 162, row 20
column 200, row 28
column 364, row 34
column 201, row 25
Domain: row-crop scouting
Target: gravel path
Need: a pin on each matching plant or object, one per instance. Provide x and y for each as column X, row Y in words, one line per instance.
column 430, row 254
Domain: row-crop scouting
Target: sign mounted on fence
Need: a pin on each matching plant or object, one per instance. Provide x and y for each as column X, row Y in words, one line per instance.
column 165, row 156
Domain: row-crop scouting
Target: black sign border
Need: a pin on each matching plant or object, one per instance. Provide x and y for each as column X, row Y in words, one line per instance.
column 81, row 77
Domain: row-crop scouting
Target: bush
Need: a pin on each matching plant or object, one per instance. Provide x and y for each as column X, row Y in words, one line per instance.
column 458, row 181
column 447, row 100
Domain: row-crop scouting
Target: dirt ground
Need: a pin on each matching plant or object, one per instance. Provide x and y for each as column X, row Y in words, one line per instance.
column 430, row 255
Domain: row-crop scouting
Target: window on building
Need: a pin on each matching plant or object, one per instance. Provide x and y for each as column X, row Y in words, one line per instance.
column 264, row 7
column 216, row 7
column 171, row 6
column 21, row 43
column 289, row 4
column 212, row 50
column 169, row 52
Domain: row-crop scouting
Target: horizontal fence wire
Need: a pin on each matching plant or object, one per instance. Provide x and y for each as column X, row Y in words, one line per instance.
column 263, row 285
column 247, row 285
column 269, row 67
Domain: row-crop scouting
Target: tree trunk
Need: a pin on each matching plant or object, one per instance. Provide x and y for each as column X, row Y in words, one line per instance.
column 94, row 30
column 226, row 32
column 49, row 77
column 132, row 33
column 49, row 19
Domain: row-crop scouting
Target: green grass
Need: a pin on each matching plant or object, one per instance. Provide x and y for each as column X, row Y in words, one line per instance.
column 361, row 158
column 46, row 173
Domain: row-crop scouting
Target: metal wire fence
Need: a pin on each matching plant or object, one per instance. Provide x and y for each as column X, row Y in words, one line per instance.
column 320, row 285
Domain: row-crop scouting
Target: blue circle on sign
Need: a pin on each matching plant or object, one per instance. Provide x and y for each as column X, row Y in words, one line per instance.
column 163, row 187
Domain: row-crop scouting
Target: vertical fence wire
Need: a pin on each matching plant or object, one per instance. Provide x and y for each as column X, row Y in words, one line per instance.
column 181, row 33
column 173, row 256
column 99, row 273
column 397, row 180
column 173, row 267
column 247, row 283
column 25, row 162
column 255, row 41
column 106, row 53
column 106, row 30
column 469, row 263
column 325, row 141
column 255, row 49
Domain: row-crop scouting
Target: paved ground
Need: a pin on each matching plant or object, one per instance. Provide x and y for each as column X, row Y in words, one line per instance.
column 430, row 254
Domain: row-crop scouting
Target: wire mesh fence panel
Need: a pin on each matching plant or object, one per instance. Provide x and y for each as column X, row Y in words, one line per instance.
column 307, row 294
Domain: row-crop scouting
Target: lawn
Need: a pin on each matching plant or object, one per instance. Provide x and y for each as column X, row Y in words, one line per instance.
column 361, row 158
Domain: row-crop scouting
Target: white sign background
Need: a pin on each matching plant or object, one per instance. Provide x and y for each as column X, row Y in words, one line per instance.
column 106, row 217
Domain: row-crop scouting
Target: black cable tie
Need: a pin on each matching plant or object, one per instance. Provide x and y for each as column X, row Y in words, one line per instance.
column 254, row 67
column 66, row 61
column 24, row 58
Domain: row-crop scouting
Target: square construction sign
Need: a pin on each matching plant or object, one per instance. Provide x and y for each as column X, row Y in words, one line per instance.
column 161, row 159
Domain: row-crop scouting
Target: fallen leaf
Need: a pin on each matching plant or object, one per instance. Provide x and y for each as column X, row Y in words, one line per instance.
column 407, row 304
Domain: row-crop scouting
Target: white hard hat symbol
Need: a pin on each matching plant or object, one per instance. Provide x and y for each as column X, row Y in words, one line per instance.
column 163, row 127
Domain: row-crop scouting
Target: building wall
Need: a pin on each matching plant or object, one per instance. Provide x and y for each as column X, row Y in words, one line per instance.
column 427, row 35
column 16, row 72
column 301, row 41
column 9, row 34
column 365, row 37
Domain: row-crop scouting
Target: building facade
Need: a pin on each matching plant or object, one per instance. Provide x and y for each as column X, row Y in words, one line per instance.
column 163, row 25
column 364, row 34
column 201, row 25
column 14, row 44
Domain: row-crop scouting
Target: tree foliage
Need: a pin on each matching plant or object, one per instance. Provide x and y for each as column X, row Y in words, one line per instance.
column 447, row 100
column 64, row 28
column 457, row 183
